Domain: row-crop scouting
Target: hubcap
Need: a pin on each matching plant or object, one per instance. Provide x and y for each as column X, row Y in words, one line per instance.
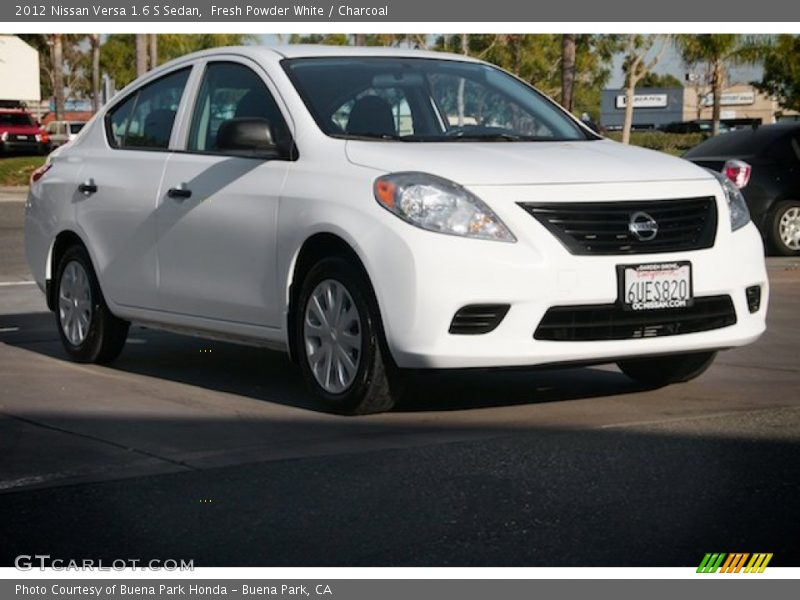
column 789, row 228
column 75, row 303
column 332, row 335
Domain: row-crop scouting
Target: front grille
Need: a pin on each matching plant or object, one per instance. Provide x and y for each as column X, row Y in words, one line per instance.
column 611, row 322
column 478, row 318
column 603, row 227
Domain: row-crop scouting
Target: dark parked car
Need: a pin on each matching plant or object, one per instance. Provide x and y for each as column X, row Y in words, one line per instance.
column 773, row 190
column 698, row 126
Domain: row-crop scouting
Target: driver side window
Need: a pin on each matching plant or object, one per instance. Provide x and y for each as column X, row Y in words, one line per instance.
column 232, row 91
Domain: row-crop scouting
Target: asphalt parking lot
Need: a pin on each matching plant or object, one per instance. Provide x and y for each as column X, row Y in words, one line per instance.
column 186, row 448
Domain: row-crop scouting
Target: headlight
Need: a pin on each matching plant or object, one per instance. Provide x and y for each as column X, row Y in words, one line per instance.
column 436, row 204
column 737, row 206
column 4, row 136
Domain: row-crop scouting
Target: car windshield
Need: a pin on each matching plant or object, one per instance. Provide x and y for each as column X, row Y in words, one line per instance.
column 15, row 120
column 75, row 127
column 426, row 100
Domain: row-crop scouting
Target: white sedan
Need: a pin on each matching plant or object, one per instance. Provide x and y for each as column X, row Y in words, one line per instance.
column 373, row 211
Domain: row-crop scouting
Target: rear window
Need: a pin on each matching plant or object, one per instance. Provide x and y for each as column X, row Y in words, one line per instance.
column 75, row 127
column 15, row 120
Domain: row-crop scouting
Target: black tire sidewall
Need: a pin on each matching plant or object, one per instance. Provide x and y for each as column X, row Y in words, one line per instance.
column 340, row 270
column 775, row 223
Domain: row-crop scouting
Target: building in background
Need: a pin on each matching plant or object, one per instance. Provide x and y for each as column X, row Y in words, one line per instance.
column 652, row 107
column 656, row 107
column 19, row 71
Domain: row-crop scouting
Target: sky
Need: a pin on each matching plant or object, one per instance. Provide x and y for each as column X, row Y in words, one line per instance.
column 672, row 64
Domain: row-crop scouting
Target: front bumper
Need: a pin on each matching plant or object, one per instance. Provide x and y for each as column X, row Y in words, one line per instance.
column 23, row 147
column 419, row 297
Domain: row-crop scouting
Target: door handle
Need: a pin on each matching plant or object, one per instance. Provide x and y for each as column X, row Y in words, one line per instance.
column 88, row 187
column 179, row 192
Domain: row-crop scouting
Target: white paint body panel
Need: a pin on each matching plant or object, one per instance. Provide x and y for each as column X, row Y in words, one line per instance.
column 222, row 261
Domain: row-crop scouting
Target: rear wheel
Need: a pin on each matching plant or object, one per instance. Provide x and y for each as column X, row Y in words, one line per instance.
column 663, row 370
column 784, row 230
column 339, row 340
column 88, row 330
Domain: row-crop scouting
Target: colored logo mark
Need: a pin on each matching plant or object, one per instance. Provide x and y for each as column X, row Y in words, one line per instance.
column 722, row 562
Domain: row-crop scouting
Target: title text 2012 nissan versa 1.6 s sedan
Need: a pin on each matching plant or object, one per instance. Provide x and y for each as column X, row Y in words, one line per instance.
column 374, row 211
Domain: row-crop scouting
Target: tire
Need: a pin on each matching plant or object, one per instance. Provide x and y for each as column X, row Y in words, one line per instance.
column 79, row 301
column 664, row 370
column 785, row 215
column 367, row 383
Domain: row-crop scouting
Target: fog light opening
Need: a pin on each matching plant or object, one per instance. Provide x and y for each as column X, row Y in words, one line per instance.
column 753, row 298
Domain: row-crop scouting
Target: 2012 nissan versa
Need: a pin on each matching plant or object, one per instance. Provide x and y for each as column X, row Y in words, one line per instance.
column 373, row 211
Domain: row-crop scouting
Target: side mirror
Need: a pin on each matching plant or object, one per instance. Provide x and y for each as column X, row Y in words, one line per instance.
column 247, row 137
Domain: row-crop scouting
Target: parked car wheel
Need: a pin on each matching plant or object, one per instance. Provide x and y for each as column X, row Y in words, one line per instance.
column 785, row 228
column 664, row 370
column 340, row 341
column 88, row 330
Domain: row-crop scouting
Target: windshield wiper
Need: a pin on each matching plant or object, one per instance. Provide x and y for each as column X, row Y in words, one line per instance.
column 485, row 137
column 371, row 136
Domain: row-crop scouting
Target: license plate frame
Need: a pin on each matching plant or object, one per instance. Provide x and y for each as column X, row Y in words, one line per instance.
column 670, row 301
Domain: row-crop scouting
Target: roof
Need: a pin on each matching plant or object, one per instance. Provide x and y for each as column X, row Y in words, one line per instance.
column 318, row 51
column 743, row 142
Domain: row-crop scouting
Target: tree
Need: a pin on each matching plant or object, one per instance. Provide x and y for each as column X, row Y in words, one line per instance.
column 568, row 49
column 58, row 74
column 141, row 54
column 152, row 43
column 94, row 40
column 118, row 56
column 660, row 80
column 537, row 59
column 329, row 39
column 716, row 52
column 74, row 64
column 636, row 67
column 782, row 72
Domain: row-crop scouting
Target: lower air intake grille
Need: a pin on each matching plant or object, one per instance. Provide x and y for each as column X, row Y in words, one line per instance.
column 676, row 225
column 610, row 322
column 478, row 318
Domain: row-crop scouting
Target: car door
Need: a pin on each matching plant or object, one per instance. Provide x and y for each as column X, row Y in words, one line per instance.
column 119, row 189
column 218, row 211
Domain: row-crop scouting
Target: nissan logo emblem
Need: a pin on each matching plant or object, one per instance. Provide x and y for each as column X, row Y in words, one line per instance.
column 643, row 226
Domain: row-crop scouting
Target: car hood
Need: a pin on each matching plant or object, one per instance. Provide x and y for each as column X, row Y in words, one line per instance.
column 524, row 163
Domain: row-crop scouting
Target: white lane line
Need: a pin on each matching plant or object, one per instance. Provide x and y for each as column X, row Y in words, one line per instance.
column 8, row 329
column 13, row 283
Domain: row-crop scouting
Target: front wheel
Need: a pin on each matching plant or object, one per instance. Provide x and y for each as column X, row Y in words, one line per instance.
column 339, row 340
column 88, row 330
column 664, row 370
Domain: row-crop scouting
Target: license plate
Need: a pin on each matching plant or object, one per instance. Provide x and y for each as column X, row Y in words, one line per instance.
column 655, row 286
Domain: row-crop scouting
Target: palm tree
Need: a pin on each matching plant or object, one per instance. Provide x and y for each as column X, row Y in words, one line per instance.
column 94, row 40
column 567, row 69
column 716, row 52
column 57, row 49
column 153, row 43
column 141, row 54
